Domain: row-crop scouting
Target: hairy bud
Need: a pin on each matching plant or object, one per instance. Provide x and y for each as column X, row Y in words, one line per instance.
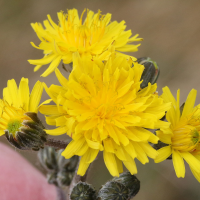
column 60, row 171
column 82, row 191
column 150, row 73
column 48, row 159
column 130, row 181
column 26, row 133
column 113, row 190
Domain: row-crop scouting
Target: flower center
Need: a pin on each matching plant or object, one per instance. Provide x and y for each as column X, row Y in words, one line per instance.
column 11, row 118
column 185, row 138
column 14, row 126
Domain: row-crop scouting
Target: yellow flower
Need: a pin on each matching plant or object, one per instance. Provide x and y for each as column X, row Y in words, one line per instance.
column 91, row 37
column 18, row 111
column 103, row 108
column 182, row 135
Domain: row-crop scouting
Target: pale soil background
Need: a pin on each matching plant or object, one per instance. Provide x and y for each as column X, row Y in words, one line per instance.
column 171, row 32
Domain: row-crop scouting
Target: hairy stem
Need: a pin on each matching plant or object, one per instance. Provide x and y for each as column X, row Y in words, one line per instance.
column 76, row 179
column 58, row 144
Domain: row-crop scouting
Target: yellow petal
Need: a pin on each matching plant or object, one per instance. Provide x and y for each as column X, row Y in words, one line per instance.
column 24, row 93
column 73, row 147
column 2, row 132
column 193, row 162
column 111, row 163
column 178, row 164
column 196, row 175
column 50, row 121
column 49, row 110
column 36, row 68
column 141, row 155
column 45, row 60
column 189, row 104
column 63, row 81
column 13, row 91
column 163, row 154
column 94, row 145
column 166, row 138
column 119, row 152
column 83, row 166
column 52, row 66
column 119, row 165
column 131, row 150
column 130, row 165
column 112, row 133
column 91, row 155
column 149, row 150
column 83, row 150
column 57, row 131
column 6, row 96
column 35, row 96
column 108, row 145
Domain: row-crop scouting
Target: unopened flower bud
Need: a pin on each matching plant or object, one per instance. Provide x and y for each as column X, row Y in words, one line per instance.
column 113, row 190
column 150, row 73
column 64, row 178
column 68, row 165
column 26, row 132
column 82, row 191
column 47, row 158
column 52, row 178
column 130, row 181
column 60, row 171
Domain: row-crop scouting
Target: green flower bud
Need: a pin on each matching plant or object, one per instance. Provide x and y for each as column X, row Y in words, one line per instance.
column 26, row 133
column 130, row 181
column 68, row 165
column 150, row 73
column 52, row 178
column 48, row 159
column 60, row 171
column 83, row 191
column 64, row 178
column 113, row 190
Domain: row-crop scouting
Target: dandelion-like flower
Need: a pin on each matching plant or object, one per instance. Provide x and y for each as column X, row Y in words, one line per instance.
column 91, row 37
column 182, row 135
column 103, row 108
column 18, row 119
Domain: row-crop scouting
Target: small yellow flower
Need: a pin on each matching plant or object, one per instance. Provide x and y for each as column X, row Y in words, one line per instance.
column 103, row 108
column 91, row 37
column 182, row 135
column 18, row 115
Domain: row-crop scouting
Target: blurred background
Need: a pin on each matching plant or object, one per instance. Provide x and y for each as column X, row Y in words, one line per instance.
column 171, row 33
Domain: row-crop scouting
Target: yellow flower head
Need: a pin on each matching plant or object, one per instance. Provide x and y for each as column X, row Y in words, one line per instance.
column 103, row 108
column 91, row 37
column 18, row 108
column 182, row 135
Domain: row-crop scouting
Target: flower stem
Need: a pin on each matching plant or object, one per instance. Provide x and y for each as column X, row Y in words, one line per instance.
column 76, row 179
column 58, row 144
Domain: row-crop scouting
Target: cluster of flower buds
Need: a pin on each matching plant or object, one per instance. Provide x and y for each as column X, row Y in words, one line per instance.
column 30, row 134
column 60, row 171
column 123, row 187
column 150, row 73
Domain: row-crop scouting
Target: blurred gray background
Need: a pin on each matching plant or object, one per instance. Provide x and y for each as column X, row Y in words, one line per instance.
column 171, row 32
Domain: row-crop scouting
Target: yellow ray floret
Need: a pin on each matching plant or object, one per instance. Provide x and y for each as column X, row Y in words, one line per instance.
column 91, row 37
column 102, row 108
column 183, row 135
column 16, row 102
